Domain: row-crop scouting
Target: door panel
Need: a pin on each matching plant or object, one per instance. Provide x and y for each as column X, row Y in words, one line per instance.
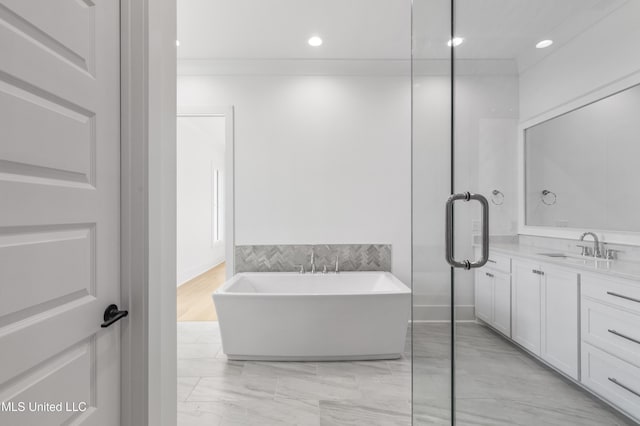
column 59, row 221
column 433, row 293
column 484, row 295
column 483, row 71
column 526, row 301
column 502, row 303
column 560, row 333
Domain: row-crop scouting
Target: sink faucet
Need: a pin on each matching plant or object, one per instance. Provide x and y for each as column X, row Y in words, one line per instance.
column 596, row 245
column 313, row 262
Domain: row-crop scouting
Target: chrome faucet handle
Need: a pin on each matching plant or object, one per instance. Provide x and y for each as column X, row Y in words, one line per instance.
column 324, row 269
column 301, row 270
column 337, row 266
column 586, row 250
column 611, row 254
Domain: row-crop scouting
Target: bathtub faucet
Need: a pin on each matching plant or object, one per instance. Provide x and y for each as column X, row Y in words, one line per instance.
column 313, row 262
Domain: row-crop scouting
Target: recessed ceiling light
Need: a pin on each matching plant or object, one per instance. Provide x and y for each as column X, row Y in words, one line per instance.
column 315, row 41
column 456, row 41
column 544, row 43
column 177, row 42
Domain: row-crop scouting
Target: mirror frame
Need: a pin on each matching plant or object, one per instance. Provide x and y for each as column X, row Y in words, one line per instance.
column 607, row 236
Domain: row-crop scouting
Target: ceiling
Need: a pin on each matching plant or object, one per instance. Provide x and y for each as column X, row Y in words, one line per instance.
column 279, row 29
column 379, row 29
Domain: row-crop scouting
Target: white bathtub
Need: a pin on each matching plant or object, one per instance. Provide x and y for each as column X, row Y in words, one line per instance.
column 304, row 317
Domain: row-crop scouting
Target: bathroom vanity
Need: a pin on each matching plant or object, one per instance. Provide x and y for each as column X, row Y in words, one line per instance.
column 578, row 315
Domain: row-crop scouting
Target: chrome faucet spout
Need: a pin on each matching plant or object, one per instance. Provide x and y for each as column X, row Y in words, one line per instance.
column 596, row 243
column 313, row 262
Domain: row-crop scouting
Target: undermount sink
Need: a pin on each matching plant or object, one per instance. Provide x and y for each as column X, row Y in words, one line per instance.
column 575, row 258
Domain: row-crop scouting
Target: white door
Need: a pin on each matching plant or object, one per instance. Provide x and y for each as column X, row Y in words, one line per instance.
column 59, row 211
column 526, row 305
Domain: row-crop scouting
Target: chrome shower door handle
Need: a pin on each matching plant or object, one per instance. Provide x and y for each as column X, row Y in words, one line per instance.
column 467, row 264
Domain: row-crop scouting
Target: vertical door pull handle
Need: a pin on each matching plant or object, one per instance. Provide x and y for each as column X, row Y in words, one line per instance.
column 449, row 236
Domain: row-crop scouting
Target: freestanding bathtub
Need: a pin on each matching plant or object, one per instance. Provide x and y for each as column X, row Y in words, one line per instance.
column 320, row 317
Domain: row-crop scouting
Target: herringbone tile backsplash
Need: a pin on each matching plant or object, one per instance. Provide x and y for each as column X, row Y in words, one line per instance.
column 285, row 258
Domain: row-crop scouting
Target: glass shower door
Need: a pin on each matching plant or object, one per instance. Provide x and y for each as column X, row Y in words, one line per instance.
column 485, row 71
column 432, row 347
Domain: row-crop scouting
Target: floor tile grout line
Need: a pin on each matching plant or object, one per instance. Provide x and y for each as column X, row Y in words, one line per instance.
column 192, row 389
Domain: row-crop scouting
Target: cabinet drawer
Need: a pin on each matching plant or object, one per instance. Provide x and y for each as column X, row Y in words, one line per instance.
column 499, row 262
column 614, row 330
column 613, row 291
column 613, row 379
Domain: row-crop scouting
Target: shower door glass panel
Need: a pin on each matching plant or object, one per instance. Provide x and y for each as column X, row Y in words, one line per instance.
column 431, row 177
column 520, row 358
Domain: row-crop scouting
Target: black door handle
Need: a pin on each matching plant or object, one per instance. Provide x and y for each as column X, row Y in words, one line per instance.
column 113, row 314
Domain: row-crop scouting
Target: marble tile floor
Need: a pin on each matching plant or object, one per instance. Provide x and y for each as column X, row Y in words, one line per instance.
column 498, row 384
column 214, row 391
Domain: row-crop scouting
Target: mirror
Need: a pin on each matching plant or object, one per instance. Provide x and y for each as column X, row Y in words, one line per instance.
column 582, row 168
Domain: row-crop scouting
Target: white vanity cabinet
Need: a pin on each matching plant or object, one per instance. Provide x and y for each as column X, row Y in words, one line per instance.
column 585, row 324
column 493, row 294
column 610, row 331
column 545, row 313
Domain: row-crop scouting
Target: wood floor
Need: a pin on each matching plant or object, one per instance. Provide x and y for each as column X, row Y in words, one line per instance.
column 194, row 297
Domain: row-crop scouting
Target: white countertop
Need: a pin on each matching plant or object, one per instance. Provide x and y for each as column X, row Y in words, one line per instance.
column 614, row 268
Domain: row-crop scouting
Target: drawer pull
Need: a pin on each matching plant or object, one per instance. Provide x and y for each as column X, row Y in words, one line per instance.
column 627, row 388
column 624, row 336
column 488, row 274
column 622, row 296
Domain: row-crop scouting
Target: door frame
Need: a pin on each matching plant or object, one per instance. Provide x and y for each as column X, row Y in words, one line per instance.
column 227, row 112
column 148, row 217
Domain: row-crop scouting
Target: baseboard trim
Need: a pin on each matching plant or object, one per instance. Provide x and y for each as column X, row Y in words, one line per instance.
column 198, row 270
column 306, row 358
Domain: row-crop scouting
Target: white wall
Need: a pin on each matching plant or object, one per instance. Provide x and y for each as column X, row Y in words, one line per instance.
column 324, row 159
column 601, row 55
column 319, row 159
column 200, row 149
